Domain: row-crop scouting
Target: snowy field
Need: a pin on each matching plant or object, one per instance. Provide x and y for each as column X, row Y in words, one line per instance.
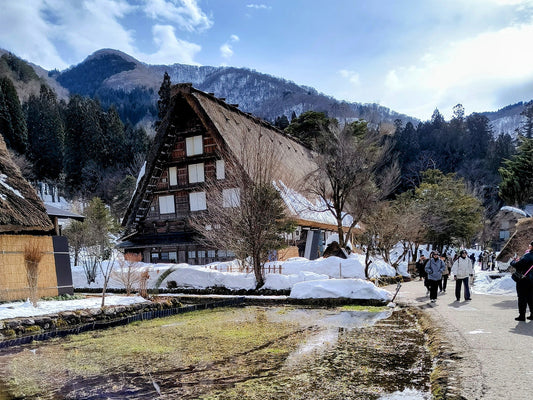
column 323, row 278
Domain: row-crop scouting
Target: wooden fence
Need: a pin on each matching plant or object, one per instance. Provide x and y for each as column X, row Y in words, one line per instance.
column 271, row 268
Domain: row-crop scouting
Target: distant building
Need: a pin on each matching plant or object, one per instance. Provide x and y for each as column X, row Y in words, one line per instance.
column 198, row 141
column 503, row 225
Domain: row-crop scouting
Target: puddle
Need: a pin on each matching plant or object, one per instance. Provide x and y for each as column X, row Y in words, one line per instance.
column 256, row 353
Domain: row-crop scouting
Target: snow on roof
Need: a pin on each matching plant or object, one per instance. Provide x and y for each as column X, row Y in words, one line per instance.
column 515, row 210
column 305, row 209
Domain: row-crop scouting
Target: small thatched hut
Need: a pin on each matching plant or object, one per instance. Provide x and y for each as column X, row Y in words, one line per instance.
column 25, row 223
column 519, row 241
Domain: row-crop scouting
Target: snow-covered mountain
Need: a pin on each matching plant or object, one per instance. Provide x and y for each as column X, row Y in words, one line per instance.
column 112, row 75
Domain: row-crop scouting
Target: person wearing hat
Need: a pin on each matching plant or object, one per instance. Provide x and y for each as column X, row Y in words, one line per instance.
column 434, row 269
column 462, row 271
column 524, row 287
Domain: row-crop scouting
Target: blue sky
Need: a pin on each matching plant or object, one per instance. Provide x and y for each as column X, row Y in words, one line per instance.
column 410, row 55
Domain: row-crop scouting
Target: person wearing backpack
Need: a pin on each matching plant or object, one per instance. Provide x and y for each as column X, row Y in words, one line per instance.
column 462, row 271
column 524, row 287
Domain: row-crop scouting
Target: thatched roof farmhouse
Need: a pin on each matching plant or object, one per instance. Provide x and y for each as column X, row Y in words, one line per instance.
column 24, row 223
column 200, row 139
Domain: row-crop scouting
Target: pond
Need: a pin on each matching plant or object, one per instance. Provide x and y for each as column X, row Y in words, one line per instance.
column 231, row 353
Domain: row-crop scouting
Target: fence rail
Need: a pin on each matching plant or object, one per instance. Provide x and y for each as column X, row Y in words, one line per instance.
column 271, row 268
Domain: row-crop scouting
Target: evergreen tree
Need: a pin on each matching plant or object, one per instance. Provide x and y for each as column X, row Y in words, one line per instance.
column 312, row 128
column 516, row 187
column 452, row 216
column 12, row 121
column 164, row 98
column 45, row 134
column 527, row 128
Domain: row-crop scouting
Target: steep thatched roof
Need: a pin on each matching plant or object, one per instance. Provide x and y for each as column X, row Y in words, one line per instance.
column 518, row 243
column 21, row 210
column 234, row 128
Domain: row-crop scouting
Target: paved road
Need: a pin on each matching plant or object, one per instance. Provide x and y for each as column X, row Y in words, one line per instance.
column 496, row 350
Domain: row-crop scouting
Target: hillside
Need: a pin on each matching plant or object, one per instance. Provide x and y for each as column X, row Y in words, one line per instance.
column 115, row 77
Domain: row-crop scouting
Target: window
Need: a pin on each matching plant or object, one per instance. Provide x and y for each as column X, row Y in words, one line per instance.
column 197, row 201
column 504, row 235
column 196, row 173
column 221, row 173
column 222, row 253
column 173, row 176
column 195, row 145
column 231, row 197
column 211, row 253
column 201, row 254
column 166, row 204
column 191, row 254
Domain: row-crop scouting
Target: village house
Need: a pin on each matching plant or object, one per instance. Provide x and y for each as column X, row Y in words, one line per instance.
column 24, row 222
column 199, row 141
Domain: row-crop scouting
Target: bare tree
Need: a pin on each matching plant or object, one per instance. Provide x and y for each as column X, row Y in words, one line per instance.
column 352, row 175
column 129, row 274
column 245, row 213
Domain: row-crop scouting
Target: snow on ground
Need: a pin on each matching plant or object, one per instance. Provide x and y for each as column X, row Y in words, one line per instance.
column 26, row 309
column 305, row 278
column 332, row 288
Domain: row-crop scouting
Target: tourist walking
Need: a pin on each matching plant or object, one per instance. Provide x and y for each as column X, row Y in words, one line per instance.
column 434, row 269
column 524, row 287
column 420, row 267
column 448, row 266
column 462, row 271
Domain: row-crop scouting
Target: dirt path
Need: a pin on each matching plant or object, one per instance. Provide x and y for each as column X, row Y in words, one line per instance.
column 496, row 351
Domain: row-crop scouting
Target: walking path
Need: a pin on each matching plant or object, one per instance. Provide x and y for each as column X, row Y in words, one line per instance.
column 496, row 352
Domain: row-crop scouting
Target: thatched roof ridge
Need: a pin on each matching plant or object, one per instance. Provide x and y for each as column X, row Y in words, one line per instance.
column 518, row 242
column 21, row 210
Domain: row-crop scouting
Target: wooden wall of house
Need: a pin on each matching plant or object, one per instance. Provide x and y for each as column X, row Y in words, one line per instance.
column 13, row 281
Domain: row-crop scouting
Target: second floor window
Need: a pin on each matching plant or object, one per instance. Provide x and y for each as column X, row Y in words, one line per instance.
column 196, row 173
column 173, row 176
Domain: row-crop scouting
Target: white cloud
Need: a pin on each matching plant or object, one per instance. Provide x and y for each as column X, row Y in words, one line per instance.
column 352, row 76
column 185, row 13
column 259, row 6
column 226, row 50
column 171, row 49
column 469, row 71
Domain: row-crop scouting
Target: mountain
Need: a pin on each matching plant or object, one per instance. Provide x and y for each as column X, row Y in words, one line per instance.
column 507, row 119
column 115, row 77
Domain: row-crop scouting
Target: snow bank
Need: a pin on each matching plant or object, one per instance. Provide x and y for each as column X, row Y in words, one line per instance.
column 26, row 309
column 286, row 282
column 339, row 288
column 484, row 284
column 334, row 267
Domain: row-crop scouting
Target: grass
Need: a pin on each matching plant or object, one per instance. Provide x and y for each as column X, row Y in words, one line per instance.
column 230, row 354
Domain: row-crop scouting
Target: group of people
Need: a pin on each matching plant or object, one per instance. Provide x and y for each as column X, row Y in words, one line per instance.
column 436, row 270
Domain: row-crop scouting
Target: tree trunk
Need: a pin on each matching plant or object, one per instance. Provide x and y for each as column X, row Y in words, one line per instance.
column 258, row 272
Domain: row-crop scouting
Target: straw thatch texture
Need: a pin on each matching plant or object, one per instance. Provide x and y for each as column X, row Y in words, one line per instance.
column 519, row 241
column 13, row 281
column 235, row 127
column 21, row 210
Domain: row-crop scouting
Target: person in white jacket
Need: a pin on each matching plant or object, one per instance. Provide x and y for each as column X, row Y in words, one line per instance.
column 462, row 271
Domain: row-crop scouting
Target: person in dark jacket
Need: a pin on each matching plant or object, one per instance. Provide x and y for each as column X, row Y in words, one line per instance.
column 434, row 269
column 524, row 287
column 420, row 265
